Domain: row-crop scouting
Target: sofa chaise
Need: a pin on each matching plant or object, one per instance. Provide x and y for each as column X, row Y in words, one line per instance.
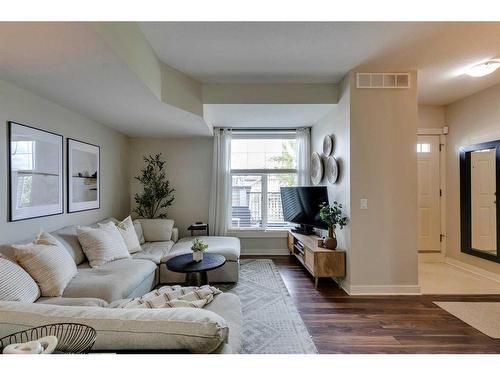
column 86, row 297
column 161, row 251
column 213, row 329
column 134, row 277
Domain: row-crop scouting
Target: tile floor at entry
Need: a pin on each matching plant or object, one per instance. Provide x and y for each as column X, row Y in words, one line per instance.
column 443, row 278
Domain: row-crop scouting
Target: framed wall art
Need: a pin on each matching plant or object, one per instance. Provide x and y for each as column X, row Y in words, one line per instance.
column 83, row 176
column 35, row 162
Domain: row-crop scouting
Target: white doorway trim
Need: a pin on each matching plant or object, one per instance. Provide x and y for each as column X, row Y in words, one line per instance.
column 441, row 133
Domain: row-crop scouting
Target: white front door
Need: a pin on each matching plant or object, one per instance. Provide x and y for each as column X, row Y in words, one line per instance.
column 483, row 200
column 429, row 214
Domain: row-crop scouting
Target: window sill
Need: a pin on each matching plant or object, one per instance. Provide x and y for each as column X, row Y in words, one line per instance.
column 255, row 233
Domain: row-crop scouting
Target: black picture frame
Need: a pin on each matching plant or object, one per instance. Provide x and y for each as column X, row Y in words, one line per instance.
column 69, row 204
column 10, row 211
column 465, row 199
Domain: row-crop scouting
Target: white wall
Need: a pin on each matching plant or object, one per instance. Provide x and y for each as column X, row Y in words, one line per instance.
column 474, row 119
column 383, row 256
column 375, row 138
column 337, row 124
column 24, row 107
column 189, row 167
column 431, row 116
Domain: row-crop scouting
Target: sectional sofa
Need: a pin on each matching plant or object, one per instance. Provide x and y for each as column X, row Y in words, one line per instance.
column 86, row 297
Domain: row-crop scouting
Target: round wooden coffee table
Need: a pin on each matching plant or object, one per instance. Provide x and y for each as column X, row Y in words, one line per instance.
column 196, row 272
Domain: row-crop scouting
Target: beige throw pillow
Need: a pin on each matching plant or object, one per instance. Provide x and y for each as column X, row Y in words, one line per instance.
column 157, row 229
column 16, row 284
column 103, row 244
column 48, row 263
column 127, row 230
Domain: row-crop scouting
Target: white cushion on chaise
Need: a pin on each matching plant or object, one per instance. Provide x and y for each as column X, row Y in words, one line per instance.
column 123, row 278
column 155, row 251
column 227, row 246
column 194, row 330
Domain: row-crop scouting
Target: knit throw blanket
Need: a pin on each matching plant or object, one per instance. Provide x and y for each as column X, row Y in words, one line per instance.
column 172, row 296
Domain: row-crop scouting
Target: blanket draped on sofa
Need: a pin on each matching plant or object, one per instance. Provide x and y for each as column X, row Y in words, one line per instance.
column 171, row 296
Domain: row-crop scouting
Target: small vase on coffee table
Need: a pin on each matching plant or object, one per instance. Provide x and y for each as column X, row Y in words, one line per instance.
column 197, row 256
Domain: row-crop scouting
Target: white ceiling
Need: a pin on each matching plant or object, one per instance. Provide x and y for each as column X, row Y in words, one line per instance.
column 264, row 115
column 70, row 64
column 305, row 52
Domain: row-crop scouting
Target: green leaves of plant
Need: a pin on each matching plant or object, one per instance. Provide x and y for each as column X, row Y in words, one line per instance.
column 332, row 215
column 157, row 193
column 199, row 245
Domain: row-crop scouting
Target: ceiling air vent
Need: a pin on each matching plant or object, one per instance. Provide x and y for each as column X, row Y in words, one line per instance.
column 383, row 80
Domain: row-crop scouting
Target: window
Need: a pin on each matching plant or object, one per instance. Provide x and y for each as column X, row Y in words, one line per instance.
column 423, row 147
column 261, row 163
column 23, row 162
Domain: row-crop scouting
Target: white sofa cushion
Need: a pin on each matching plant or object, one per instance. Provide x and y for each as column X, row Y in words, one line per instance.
column 154, row 251
column 127, row 230
column 63, row 301
column 48, row 263
column 111, row 281
column 227, row 246
column 16, row 284
column 138, row 231
column 68, row 237
column 157, row 229
column 228, row 306
column 103, row 244
column 195, row 330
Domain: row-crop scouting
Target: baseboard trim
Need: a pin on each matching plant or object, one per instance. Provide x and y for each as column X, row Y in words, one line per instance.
column 473, row 269
column 267, row 252
column 382, row 290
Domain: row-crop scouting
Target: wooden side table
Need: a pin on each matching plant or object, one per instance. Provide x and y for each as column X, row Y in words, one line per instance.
column 193, row 228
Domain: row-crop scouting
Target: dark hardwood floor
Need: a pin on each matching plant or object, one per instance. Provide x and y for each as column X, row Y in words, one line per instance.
column 340, row 323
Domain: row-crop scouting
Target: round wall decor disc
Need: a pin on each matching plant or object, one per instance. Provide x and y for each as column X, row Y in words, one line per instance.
column 332, row 170
column 327, row 145
column 316, row 168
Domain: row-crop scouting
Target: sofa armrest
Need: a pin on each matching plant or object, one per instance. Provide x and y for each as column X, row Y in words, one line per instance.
column 194, row 330
column 175, row 234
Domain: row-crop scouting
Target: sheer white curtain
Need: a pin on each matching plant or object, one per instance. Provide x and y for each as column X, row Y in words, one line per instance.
column 220, row 194
column 303, row 156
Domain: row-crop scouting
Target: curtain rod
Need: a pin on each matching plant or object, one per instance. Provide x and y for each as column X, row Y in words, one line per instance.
column 264, row 129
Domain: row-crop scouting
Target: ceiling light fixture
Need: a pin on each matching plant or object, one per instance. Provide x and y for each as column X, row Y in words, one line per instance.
column 483, row 69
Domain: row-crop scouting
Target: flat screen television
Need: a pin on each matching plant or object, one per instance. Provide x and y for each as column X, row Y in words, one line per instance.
column 301, row 206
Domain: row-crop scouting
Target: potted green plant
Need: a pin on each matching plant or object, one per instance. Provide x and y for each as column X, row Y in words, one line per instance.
column 332, row 216
column 157, row 194
column 198, row 247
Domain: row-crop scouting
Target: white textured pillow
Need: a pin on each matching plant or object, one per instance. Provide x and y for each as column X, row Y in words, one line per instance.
column 157, row 229
column 48, row 263
column 138, row 231
column 127, row 230
column 16, row 284
column 103, row 244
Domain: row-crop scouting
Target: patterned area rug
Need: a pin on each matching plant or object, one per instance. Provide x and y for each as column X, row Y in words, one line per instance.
column 271, row 322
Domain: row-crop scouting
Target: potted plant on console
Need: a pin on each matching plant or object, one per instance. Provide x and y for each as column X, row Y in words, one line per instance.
column 198, row 248
column 332, row 216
